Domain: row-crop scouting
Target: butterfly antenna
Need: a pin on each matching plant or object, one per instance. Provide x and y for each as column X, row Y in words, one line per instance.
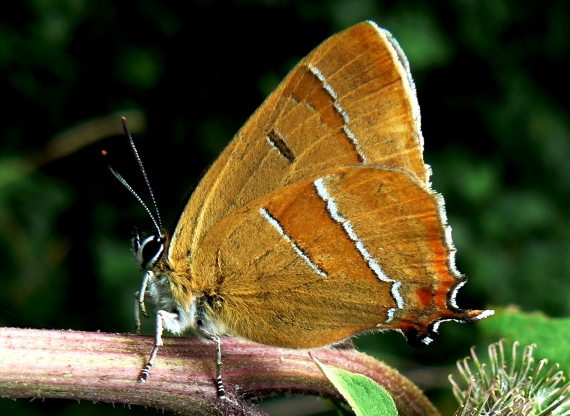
column 138, row 198
column 156, row 220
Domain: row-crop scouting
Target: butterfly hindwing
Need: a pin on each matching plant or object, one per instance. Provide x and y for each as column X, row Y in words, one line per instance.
column 363, row 267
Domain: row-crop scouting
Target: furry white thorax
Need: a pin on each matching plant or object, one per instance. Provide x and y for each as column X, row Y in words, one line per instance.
column 159, row 293
column 176, row 318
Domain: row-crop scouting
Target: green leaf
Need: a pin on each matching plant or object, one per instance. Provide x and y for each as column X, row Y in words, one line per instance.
column 551, row 335
column 363, row 394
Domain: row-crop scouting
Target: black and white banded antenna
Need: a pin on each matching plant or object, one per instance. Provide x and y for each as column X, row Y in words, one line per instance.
column 155, row 219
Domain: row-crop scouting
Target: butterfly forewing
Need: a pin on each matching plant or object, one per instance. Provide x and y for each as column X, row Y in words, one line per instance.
column 350, row 102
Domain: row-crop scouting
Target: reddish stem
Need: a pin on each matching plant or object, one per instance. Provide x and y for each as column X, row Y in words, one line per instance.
column 105, row 368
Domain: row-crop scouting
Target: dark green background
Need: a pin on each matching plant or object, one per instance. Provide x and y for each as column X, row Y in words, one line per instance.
column 491, row 78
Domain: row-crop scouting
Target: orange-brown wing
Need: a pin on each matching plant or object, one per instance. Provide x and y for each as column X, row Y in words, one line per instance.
column 359, row 248
column 349, row 102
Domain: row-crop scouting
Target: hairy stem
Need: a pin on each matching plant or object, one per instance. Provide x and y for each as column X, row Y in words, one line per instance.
column 105, row 368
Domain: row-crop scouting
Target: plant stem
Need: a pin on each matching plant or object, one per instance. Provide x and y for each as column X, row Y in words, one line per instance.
column 105, row 368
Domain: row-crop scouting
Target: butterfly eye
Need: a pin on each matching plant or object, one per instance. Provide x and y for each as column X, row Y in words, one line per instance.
column 149, row 251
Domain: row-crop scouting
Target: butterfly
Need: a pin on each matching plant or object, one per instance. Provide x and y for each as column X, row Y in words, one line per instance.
column 317, row 222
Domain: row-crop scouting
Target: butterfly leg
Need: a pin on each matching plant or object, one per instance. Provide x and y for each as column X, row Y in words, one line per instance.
column 218, row 341
column 139, row 303
column 219, row 382
column 160, row 317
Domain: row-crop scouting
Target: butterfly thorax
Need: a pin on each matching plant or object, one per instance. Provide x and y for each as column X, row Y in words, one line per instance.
column 203, row 301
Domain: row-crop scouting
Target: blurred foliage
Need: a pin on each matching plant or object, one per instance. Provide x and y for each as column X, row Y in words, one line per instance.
column 490, row 76
column 552, row 335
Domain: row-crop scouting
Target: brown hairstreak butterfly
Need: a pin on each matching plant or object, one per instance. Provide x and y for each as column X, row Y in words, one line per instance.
column 318, row 221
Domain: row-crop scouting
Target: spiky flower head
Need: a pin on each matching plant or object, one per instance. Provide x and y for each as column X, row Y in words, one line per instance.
column 514, row 385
